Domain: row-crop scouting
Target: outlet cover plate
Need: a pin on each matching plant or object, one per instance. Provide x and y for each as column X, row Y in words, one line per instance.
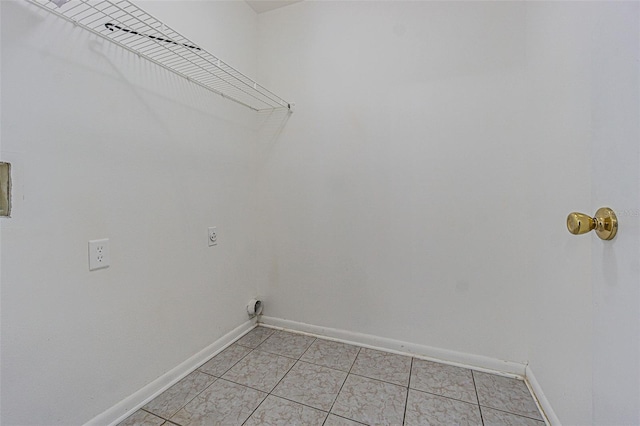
column 213, row 236
column 99, row 254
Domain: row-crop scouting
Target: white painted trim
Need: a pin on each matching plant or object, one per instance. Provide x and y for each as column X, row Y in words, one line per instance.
column 459, row 359
column 132, row 403
column 543, row 403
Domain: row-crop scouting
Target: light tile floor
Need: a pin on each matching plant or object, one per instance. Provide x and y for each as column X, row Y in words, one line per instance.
column 271, row 377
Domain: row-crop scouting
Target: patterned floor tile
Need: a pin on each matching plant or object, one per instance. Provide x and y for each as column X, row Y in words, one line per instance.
column 222, row 403
column 493, row 417
column 219, row 364
column 142, row 418
column 427, row 409
column 311, row 385
column 371, row 401
column 374, row 392
column 260, row 370
column 505, row 394
column 334, row 420
column 178, row 395
column 331, row 354
column 444, row 380
column 286, row 344
column 277, row 411
column 384, row 366
column 256, row 336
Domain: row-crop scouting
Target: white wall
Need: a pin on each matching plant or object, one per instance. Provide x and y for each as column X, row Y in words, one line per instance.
column 105, row 145
column 420, row 190
column 387, row 188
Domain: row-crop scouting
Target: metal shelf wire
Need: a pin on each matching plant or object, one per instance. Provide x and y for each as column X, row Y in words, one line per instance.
column 130, row 27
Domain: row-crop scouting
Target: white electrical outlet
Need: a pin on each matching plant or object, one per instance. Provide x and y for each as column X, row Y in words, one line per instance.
column 99, row 254
column 213, row 236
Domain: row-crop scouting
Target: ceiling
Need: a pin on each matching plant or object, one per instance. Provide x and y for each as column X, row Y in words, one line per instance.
column 261, row 6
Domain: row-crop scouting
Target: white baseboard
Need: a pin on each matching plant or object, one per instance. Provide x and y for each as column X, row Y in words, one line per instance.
column 132, row 403
column 459, row 359
column 541, row 399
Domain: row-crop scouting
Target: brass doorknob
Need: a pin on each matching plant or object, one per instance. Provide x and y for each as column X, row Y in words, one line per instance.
column 604, row 222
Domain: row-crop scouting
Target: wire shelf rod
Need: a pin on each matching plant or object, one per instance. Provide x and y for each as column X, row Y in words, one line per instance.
column 133, row 29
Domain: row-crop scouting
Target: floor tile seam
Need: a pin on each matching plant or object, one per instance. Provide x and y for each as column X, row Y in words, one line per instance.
column 342, row 342
column 227, row 370
column 150, row 412
column 323, row 366
column 254, row 410
column 275, row 353
column 192, row 399
column 446, row 397
column 298, row 402
column 291, row 334
column 183, row 405
column 209, row 374
column 237, row 341
column 303, row 352
column 510, row 412
column 263, row 399
column 475, row 388
column 343, row 382
column 315, row 339
column 505, row 411
column 245, row 386
column 346, row 418
column 380, row 380
column 247, row 346
column 322, row 409
column 406, row 400
column 285, row 375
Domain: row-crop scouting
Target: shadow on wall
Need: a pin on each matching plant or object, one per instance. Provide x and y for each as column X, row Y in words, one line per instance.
column 270, row 127
column 146, row 81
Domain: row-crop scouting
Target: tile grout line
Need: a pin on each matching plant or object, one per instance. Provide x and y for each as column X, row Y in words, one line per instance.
column 286, row 356
column 216, row 377
column 346, row 418
column 168, row 419
column 186, row 403
column 512, row 413
column 326, row 366
column 345, row 381
column 297, row 402
column 255, row 347
column 501, row 409
column 227, row 370
column 475, row 388
column 290, row 368
column 150, row 412
column 285, row 374
column 379, row 380
column 315, row 339
column 445, row 397
column 406, row 400
column 210, row 375
column 245, row 386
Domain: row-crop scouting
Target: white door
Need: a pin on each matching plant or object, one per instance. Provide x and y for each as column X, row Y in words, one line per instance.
column 616, row 183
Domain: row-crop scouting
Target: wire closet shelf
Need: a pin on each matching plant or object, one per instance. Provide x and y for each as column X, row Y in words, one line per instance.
column 130, row 27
